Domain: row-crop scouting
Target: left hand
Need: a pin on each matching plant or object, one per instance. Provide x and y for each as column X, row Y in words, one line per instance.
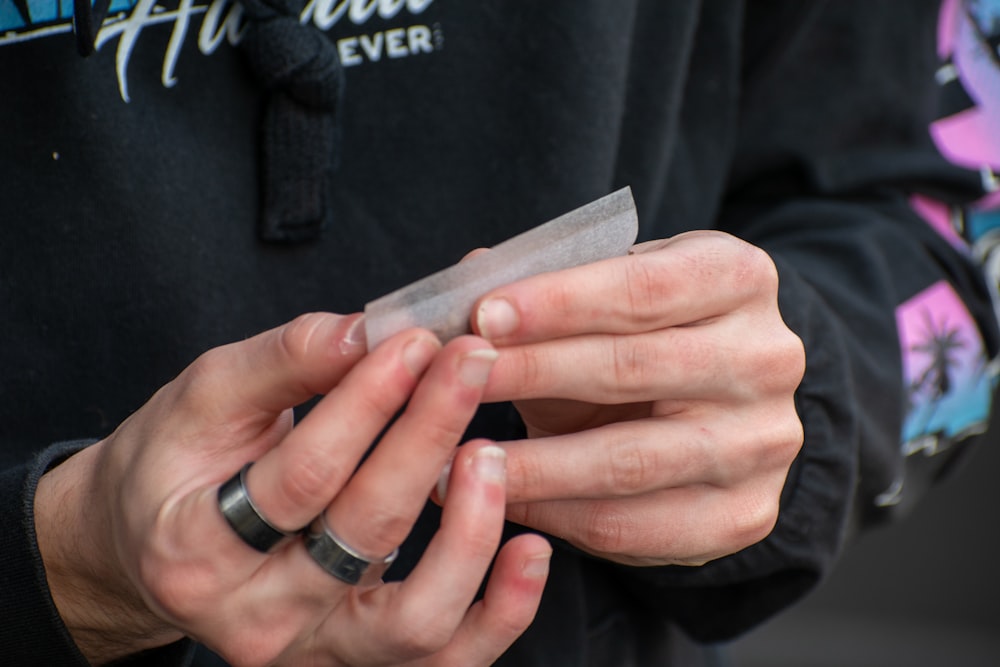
column 657, row 390
column 138, row 554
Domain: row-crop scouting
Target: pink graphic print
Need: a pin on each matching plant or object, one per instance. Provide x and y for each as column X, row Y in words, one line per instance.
column 949, row 385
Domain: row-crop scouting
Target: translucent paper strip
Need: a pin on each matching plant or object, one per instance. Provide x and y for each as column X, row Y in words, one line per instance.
column 442, row 302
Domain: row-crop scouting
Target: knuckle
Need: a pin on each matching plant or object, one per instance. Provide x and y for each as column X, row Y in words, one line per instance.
column 790, row 439
column 768, row 441
column 525, row 474
column 386, row 528
column 754, row 271
column 794, row 356
column 782, row 437
column 561, row 298
column 379, row 405
column 201, row 376
column 637, row 286
column 787, row 355
column 753, row 520
column 445, row 432
column 533, row 375
column 605, row 530
column 631, row 467
column 482, row 544
column 645, row 287
column 635, row 363
column 377, row 398
column 772, row 363
column 310, row 476
column 786, row 434
column 294, row 338
column 506, row 625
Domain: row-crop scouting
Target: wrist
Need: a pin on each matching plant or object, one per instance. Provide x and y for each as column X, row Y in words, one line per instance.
column 101, row 609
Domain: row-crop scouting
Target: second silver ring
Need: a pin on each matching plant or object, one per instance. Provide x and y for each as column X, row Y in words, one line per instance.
column 341, row 560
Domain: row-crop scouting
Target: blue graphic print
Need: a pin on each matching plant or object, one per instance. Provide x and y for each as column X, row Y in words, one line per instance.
column 24, row 15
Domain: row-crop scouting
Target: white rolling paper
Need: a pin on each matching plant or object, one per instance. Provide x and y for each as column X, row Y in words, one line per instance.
column 442, row 302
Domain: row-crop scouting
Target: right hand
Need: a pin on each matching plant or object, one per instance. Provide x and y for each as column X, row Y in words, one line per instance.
column 138, row 553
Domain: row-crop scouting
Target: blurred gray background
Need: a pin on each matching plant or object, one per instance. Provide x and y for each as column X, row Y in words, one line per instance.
column 923, row 592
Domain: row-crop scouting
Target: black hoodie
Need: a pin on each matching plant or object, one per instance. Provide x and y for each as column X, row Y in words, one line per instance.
column 132, row 184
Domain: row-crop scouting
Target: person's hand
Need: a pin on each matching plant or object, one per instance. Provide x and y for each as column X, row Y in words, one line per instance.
column 657, row 390
column 139, row 554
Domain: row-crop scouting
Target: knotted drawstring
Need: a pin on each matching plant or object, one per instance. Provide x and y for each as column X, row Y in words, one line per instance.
column 300, row 71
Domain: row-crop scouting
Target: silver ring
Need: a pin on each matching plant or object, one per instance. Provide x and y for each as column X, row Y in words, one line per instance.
column 340, row 560
column 243, row 516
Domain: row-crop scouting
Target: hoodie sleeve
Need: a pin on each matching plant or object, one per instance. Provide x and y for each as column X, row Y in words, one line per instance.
column 835, row 174
column 33, row 632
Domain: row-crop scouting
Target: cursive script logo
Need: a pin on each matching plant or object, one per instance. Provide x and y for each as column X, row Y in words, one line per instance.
column 222, row 21
column 327, row 13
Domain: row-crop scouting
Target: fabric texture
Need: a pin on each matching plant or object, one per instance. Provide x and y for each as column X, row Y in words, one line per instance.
column 128, row 245
column 300, row 70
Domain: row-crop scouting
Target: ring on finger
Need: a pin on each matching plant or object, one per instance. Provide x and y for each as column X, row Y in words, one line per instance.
column 243, row 516
column 340, row 560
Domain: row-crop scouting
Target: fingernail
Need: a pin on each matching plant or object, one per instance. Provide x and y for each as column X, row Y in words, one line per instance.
column 490, row 463
column 418, row 353
column 354, row 340
column 442, row 485
column 496, row 318
column 537, row 566
column 474, row 368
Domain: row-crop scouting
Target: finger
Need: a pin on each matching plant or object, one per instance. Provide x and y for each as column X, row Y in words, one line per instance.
column 639, row 457
column 280, row 368
column 612, row 370
column 417, row 617
column 410, row 456
column 686, row 279
column 686, row 526
column 377, row 509
column 508, row 607
column 295, row 481
column 737, row 357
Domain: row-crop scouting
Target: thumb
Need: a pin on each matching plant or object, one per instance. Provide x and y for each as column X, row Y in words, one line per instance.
column 282, row 367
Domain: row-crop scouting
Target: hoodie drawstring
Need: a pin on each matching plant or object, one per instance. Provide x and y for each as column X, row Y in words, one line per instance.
column 299, row 69
column 301, row 73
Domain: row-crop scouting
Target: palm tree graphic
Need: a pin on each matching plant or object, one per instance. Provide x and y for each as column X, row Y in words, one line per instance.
column 940, row 344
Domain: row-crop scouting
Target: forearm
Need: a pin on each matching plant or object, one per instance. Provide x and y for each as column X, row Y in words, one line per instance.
column 33, row 599
column 103, row 613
